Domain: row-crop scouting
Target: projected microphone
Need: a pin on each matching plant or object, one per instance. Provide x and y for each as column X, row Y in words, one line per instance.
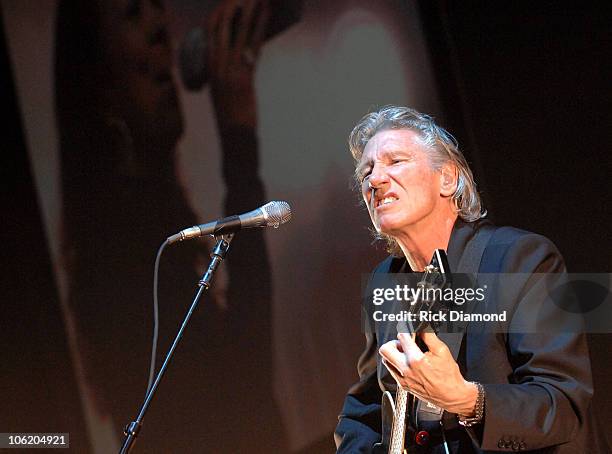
column 272, row 214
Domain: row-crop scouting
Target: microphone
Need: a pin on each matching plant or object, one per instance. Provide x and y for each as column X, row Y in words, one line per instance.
column 272, row 214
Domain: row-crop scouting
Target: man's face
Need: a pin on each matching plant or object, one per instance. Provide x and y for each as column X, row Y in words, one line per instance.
column 407, row 190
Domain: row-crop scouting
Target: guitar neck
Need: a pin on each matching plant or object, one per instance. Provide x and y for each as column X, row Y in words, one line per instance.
column 396, row 446
column 435, row 274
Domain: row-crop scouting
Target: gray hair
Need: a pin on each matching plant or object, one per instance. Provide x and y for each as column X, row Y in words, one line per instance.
column 444, row 149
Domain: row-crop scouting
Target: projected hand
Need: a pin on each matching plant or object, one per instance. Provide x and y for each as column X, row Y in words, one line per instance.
column 235, row 29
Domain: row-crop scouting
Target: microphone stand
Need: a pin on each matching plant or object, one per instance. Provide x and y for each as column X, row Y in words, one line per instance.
column 217, row 256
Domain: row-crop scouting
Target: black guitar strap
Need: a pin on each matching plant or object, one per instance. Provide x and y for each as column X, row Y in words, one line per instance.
column 469, row 264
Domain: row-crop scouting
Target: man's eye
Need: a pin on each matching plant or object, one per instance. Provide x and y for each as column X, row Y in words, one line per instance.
column 365, row 175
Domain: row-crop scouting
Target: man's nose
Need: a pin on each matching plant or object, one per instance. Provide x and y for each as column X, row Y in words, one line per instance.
column 378, row 176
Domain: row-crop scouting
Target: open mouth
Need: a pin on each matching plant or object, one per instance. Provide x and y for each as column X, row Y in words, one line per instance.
column 385, row 201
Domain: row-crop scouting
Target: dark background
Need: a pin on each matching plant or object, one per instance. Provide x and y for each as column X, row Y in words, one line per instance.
column 525, row 89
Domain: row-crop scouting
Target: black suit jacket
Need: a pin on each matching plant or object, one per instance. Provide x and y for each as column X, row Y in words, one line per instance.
column 538, row 386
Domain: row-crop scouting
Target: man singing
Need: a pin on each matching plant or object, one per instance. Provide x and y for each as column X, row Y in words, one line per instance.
column 496, row 391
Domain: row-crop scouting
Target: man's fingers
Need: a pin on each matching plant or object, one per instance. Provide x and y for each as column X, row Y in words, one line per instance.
column 410, row 348
column 396, row 374
column 391, row 353
column 405, row 382
column 434, row 344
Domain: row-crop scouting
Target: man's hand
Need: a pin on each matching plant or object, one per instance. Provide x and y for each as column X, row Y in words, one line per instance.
column 432, row 376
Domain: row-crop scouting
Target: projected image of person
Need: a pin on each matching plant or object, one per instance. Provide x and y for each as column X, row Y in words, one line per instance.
column 119, row 120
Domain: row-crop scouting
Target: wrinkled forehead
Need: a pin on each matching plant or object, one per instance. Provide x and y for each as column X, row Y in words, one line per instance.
column 391, row 142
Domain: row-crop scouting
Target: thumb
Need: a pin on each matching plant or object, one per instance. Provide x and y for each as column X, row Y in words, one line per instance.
column 410, row 348
column 434, row 344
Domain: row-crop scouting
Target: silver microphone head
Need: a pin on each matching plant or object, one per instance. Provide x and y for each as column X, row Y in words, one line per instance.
column 276, row 213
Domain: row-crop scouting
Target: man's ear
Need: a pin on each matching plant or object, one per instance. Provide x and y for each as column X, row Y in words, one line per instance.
column 448, row 180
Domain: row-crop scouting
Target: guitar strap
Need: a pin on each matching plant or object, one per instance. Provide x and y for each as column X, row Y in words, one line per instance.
column 428, row 416
column 469, row 264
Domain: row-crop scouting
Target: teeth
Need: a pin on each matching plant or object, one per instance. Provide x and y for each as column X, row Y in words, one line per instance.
column 387, row 200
